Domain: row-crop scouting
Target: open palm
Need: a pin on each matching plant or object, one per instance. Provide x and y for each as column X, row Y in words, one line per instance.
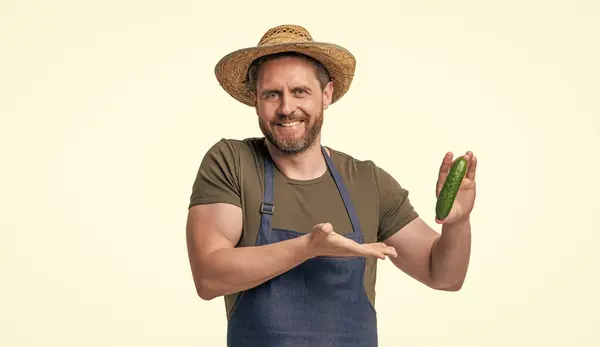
column 465, row 198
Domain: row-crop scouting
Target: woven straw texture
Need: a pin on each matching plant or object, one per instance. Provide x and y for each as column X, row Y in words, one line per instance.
column 231, row 70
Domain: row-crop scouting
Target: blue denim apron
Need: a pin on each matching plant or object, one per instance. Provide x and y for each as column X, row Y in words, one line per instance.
column 321, row 302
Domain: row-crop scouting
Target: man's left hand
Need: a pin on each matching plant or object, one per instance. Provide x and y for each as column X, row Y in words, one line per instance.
column 465, row 198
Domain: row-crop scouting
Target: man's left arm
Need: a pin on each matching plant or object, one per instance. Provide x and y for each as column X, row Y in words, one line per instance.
column 438, row 260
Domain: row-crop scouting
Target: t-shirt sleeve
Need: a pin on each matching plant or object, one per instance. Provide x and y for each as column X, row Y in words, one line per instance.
column 217, row 179
column 395, row 208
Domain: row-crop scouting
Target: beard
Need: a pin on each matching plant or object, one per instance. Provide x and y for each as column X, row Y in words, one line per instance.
column 293, row 144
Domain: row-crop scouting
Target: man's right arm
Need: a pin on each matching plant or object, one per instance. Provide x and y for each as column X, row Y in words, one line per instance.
column 218, row 267
column 214, row 227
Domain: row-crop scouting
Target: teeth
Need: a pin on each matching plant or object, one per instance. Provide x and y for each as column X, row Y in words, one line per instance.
column 291, row 124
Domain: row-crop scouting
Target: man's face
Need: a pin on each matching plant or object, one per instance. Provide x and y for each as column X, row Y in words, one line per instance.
column 290, row 103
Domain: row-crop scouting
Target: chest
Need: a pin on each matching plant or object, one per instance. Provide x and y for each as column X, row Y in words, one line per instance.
column 299, row 207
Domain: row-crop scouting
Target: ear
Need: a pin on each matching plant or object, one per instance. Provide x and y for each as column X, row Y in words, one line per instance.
column 327, row 94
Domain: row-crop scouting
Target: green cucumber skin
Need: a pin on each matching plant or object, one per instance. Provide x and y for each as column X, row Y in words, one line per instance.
column 450, row 188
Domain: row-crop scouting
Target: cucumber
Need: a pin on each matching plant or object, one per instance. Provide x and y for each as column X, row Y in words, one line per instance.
column 450, row 188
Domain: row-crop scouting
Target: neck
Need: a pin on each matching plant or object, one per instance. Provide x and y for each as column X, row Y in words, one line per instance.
column 307, row 165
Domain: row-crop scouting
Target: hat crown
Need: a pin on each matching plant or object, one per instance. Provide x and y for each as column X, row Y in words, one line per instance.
column 285, row 34
column 232, row 70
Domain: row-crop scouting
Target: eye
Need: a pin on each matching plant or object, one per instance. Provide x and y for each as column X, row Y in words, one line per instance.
column 271, row 95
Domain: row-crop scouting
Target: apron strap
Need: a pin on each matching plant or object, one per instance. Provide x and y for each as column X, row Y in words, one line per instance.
column 344, row 193
column 267, row 206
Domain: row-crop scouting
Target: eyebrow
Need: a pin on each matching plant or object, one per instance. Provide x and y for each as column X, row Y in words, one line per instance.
column 264, row 92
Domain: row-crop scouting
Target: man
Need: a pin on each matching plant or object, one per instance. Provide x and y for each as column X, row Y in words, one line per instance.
column 288, row 230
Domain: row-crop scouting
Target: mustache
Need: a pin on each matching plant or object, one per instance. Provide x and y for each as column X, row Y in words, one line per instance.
column 290, row 118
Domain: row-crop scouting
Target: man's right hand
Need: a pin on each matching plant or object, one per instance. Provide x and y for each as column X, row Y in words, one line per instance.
column 324, row 241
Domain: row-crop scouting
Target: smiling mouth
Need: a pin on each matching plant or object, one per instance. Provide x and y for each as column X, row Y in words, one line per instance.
column 289, row 124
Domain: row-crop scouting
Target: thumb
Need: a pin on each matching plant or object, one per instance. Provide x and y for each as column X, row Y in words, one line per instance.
column 326, row 227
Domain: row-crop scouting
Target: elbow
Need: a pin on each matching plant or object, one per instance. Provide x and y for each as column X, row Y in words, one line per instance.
column 206, row 290
column 449, row 287
column 206, row 294
column 206, row 286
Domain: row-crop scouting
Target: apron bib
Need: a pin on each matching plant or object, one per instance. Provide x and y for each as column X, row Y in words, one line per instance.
column 321, row 302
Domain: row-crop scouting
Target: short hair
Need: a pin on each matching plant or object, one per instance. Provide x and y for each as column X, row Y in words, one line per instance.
column 252, row 75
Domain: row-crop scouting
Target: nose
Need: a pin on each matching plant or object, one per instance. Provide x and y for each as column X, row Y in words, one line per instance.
column 286, row 104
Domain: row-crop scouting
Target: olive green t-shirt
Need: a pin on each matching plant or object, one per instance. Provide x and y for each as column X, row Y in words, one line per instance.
column 232, row 171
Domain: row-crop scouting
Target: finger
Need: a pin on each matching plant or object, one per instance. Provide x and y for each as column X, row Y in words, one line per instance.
column 468, row 156
column 368, row 250
column 373, row 252
column 472, row 168
column 326, row 227
column 446, row 163
column 321, row 227
column 379, row 250
column 387, row 250
column 378, row 255
column 390, row 252
column 317, row 227
column 381, row 254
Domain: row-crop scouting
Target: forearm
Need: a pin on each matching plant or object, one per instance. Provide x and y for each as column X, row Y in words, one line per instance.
column 450, row 255
column 231, row 270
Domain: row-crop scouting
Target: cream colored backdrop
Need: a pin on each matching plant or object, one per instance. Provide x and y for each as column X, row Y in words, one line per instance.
column 107, row 107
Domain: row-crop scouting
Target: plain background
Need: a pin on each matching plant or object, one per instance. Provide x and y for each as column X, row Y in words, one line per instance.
column 107, row 108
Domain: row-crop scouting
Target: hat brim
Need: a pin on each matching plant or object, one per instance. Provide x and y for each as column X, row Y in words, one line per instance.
column 231, row 70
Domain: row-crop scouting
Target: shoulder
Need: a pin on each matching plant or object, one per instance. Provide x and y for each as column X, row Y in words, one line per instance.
column 234, row 149
column 352, row 165
column 220, row 175
column 360, row 175
column 234, row 145
column 365, row 171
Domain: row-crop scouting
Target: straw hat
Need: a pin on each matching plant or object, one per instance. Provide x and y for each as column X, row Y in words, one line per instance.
column 231, row 70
